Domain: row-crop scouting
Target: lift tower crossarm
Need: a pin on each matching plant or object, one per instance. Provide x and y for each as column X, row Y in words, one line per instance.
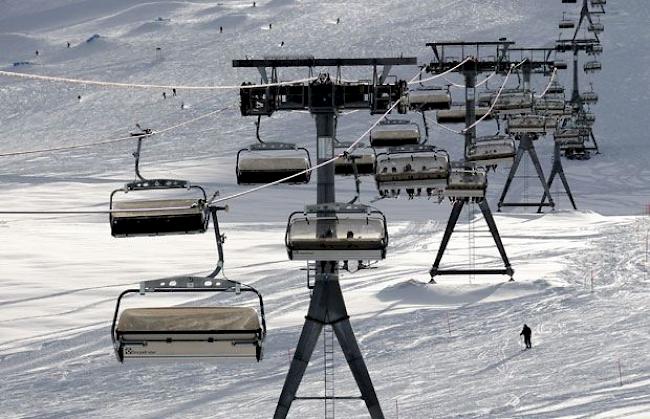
column 323, row 62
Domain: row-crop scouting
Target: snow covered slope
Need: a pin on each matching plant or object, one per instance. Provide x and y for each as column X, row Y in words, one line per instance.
column 436, row 351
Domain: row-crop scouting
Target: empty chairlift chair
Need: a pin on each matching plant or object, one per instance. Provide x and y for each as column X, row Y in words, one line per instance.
column 270, row 162
column 572, row 138
column 162, row 215
column 336, row 232
column 466, row 181
column 395, row 133
column 363, row 158
column 596, row 27
column 513, row 103
column 560, row 64
column 152, row 217
column 593, row 66
column 549, row 105
column 589, row 97
column 492, row 150
column 598, row 2
column 555, row 88
column 594, row 49
column 188, row 332
column 418, row 171
column 567, row 23
column 529, row 124
column 571, row 133
column 457, row 115
column 429, row 98
column 586, row 119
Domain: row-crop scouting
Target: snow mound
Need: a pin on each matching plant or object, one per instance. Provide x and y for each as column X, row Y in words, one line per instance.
column 416, row 292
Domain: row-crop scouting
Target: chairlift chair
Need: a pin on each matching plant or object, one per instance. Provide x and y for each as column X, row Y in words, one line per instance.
column 492, row 150
column 594, row 49
column 457, row 115
column 466, row 181
column 569, row 1
column 153, row 217
column 555, row 88
column 419, row 171
column 513, row 103
column 337, row 232
column 589, row 97
column 592, row 66
column 363, row 158
column 529, row 124
column 260, row 163
column 587, row 119
column 598, row 2
column 560, row 64
column 196, row 333
column 429, row 98
column 395, row 132
column 570, row 132
column 549, row 105
column 486, row 97
column 566, row 23
column 596, row 27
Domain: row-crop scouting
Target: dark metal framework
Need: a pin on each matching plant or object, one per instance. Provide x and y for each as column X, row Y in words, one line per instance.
column 324, row 97
column 591, row 46
column 495, row 59
column 527, row 141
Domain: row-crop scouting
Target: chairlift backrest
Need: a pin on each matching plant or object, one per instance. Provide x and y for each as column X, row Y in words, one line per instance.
column 519, row 102
column 592, row 66
column 429, row 98
column 491, row 150
column 158, row 333
column 457, row 115
column 268, row 162
column 529, row 123
column 395, row 132
column 152, row 217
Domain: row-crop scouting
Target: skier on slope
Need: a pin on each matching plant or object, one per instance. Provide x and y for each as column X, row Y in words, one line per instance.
column 526, row 332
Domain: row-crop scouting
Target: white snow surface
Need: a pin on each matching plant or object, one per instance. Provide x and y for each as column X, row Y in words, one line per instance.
column 445, row 350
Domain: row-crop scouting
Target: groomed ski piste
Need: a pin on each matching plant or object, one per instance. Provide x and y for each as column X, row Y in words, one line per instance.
column 446, row 350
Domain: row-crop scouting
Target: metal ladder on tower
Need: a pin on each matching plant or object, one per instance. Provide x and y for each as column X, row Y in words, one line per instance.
column 471, row 239
column 328, row 370
column 311, row 274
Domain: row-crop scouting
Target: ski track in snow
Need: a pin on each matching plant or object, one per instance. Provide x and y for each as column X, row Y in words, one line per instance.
column 449, row 350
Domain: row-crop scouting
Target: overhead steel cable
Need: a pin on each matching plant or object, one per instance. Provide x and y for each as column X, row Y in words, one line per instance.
column 143, row 85
column 112, row 140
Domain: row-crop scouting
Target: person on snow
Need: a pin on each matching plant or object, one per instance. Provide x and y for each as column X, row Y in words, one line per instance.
column 526, row 333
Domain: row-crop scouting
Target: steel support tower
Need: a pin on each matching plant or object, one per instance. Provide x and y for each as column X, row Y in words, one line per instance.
column 478, row 63
column 323, row 98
